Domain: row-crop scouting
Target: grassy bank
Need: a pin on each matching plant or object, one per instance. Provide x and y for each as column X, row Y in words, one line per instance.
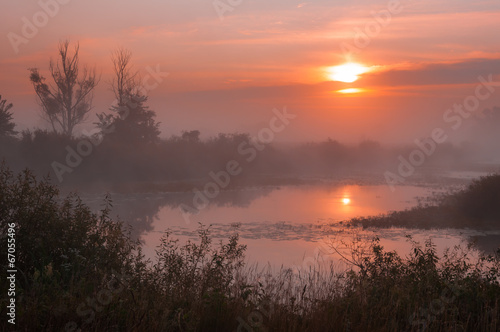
column 80, row 270
column 476, row 206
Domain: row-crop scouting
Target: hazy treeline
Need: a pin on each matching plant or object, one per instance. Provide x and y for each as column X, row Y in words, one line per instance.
column 187, row 157
column 116, row 157
column 125, row 145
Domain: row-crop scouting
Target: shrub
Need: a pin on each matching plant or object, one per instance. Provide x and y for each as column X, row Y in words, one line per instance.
column 78, row 269
column 63, row 250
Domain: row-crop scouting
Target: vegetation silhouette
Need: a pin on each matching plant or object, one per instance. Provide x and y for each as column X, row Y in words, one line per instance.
column 475, row 206
column 67, row 104
column 131, row 122
column 126, row 146
column 78, row 269
column 6, row 124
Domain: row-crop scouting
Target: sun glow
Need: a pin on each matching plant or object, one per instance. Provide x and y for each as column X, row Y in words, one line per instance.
column 348, row 72
column 346, row 200
column 351, row 90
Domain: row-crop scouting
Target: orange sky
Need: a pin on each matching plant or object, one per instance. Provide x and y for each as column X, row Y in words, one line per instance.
column 228, row 74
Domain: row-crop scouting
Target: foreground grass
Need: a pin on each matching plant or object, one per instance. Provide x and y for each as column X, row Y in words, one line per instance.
column 82, row 271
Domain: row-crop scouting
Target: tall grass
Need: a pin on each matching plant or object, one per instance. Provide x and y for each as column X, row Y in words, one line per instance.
column 80, row 270
column 476, row 206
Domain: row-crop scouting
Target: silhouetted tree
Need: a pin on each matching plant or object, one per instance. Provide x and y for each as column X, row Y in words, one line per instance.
column 191, row 136
column 125, row 81
column 6, row 124
column 134, row 121
column 131, row 121
column 67, row 104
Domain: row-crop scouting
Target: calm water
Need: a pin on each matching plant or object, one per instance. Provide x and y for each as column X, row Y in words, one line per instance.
column 290, row 225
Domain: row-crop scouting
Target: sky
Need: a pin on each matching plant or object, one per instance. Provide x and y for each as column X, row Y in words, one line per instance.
column 231, row 62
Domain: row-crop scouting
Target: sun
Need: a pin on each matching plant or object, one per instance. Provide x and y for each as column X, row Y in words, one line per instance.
column 348, row 72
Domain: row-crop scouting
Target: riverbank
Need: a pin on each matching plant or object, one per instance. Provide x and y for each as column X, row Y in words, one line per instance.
column 476, row 206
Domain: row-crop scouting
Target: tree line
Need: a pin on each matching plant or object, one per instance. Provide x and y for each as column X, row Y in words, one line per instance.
column 126, row 144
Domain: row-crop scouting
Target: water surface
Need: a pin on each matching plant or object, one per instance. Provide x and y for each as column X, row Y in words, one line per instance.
column 286, row 225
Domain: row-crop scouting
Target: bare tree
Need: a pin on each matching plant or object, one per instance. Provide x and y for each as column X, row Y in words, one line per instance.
column 66, row 104
column 124, row 82
column 132, row 121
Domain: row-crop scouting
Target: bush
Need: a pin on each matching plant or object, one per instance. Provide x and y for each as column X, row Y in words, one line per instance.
column 77, row 269
column 64, row 252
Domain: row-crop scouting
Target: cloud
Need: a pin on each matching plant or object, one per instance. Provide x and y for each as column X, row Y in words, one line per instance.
column 463, row 72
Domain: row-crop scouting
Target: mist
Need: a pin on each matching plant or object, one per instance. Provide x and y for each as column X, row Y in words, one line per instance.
column 236, row 165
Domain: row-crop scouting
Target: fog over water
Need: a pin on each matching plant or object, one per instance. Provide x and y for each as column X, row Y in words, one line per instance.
column 250, row 165
column 283, row 224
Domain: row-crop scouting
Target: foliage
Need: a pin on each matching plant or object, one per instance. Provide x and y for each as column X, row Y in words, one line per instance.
column 63, row 250
column 197, row 280
column 6, row 124
column 480, row 201
column 133, row 122
column 475, row 206
column 80, row 269
column 66, row 105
